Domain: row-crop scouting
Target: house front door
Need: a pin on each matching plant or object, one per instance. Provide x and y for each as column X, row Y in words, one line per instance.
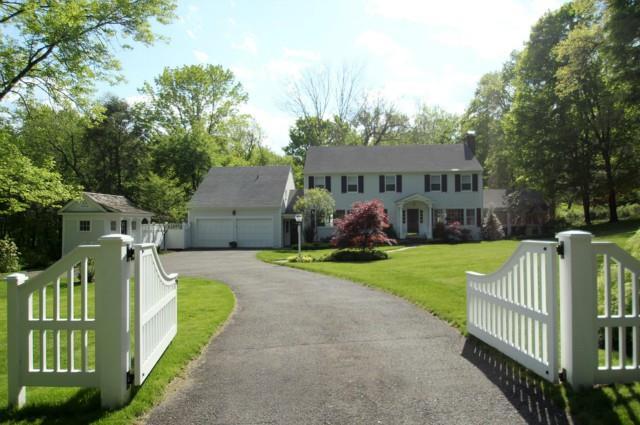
column 123, row 227
column 412, row 221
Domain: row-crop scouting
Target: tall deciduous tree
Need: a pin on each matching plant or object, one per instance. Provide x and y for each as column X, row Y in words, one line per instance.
column 434, row 125
column 60, row 47
column 378, row 122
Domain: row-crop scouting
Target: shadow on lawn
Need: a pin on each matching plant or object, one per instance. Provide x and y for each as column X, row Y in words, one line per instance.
column 81, row 407
column 527, row 393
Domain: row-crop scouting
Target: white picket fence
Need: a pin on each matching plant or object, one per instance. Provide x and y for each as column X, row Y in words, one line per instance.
column 156, row 314
column 168, row 235
column 514, row 310
column 54, row 340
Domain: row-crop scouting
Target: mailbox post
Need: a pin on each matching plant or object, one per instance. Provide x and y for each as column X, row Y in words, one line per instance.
column 299, row 221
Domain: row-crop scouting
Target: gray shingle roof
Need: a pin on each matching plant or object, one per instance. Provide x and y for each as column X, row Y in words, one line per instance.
column 242, row 187
column 115, row 203
column 390, row 159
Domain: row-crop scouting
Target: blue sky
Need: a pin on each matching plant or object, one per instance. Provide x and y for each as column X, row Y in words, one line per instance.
column 411, row 52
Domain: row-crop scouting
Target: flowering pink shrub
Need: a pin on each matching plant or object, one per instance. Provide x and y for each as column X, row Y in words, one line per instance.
column 364, row 227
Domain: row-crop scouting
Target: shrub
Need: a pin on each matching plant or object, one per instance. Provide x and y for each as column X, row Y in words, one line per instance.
column 466, row 235
column 492, row 228
column 633, row 244
column 599, row 212
column 312, row 246
column 440, row 231
column 301, row 259
column 233, row 244
column 356, row 255
column 629, row 211
column 453, row 232
column 363, row 227
column 9, row 255
column 391, row 232
column 309, row 234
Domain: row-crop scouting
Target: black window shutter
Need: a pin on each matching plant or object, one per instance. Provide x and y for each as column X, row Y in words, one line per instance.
column 445, row 179
column 382, row 184
column 399, row 183
column 327, row 183
column 427, row 183
column 457, row 182
column 311, row 182
column 344, row 184
column 474, row 182
column 479, row 217
column 361, row 184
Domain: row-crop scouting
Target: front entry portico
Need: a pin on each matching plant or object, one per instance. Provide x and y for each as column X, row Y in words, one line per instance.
column 413, row 216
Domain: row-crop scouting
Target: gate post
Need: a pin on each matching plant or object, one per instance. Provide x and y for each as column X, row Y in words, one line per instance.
column 112, row 319
column 16, row 335
column 578, row 308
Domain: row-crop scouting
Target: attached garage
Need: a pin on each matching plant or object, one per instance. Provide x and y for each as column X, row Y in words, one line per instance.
column 241, row 204
column 214, row 232
column 255, row 232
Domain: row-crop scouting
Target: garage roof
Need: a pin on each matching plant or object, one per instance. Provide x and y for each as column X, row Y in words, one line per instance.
column 390, row 159
column 242, row 187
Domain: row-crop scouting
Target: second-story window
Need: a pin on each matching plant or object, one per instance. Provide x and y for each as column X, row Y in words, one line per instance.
column 390, row 183
column 352, row 183
column 436, row 182
column 465, row 182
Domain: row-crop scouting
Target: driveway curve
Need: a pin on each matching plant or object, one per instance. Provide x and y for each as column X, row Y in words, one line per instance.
column 304, row 348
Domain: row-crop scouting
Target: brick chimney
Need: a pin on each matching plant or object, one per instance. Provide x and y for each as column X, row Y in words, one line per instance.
column 470, row 141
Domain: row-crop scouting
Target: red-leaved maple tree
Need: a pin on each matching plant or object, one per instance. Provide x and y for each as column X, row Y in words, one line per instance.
column 364, row 227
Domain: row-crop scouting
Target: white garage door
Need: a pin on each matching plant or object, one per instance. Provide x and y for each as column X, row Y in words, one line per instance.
column 214, row 232
column 255, row 232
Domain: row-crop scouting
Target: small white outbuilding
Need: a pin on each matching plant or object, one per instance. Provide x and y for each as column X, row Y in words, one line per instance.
column 95, row 214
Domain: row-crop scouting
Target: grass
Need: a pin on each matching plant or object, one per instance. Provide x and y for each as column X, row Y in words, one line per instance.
column 203, row 306
column 433, row 277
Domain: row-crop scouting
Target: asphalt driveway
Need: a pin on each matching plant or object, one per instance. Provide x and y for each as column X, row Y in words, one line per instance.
column 304, row 348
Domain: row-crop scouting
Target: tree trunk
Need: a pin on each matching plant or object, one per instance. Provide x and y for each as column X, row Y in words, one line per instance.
column 586, row 207
column 613, row 205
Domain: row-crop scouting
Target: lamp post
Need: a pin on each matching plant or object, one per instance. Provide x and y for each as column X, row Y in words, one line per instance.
column 299, row 221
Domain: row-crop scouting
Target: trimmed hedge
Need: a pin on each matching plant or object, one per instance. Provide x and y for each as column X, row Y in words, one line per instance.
column 356, row 255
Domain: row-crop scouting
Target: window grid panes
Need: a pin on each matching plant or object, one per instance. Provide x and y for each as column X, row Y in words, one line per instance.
column 436, row 183
column 390, row 183
column 352, row 183
column 113, row 225
column 465, row 182
column 421, row 216
column 85, row 226
column 470, row 219
column 456, row 214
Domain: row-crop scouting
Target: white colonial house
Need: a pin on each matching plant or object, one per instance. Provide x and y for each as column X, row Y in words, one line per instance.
column 248, row 206
column 418, row 184
column 86, row 219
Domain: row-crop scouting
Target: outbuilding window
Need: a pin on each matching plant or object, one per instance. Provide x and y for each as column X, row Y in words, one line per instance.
column 85, row 225
column 134, row 225
column 113, row 225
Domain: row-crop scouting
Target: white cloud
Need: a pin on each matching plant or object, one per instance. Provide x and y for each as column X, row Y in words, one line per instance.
column 201, row 56
column 291, row 64
column 407, row 84
column 192, row 35
column 248, row 44
column 489, row 29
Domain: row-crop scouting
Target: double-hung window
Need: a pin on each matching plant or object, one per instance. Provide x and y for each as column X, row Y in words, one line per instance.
column 352, row 183
column 389, row 183
column 455, row 214
column 470, row 219
column 465, row 183
column 319, row 182
column 436, row 182
column 85, row 225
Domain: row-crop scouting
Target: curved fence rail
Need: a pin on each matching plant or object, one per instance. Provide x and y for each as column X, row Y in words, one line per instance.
column 618, row 315
column 156, row 315
column 514, row 309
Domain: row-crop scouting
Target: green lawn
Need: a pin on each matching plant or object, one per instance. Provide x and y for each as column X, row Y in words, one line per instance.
column 433, row 277
column 203, row 306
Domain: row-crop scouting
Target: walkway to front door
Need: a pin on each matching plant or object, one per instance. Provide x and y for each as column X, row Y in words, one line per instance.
column 304, row 348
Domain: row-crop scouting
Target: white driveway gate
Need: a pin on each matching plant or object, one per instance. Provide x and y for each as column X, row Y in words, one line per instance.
column 56, row 340
column 514, row 309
